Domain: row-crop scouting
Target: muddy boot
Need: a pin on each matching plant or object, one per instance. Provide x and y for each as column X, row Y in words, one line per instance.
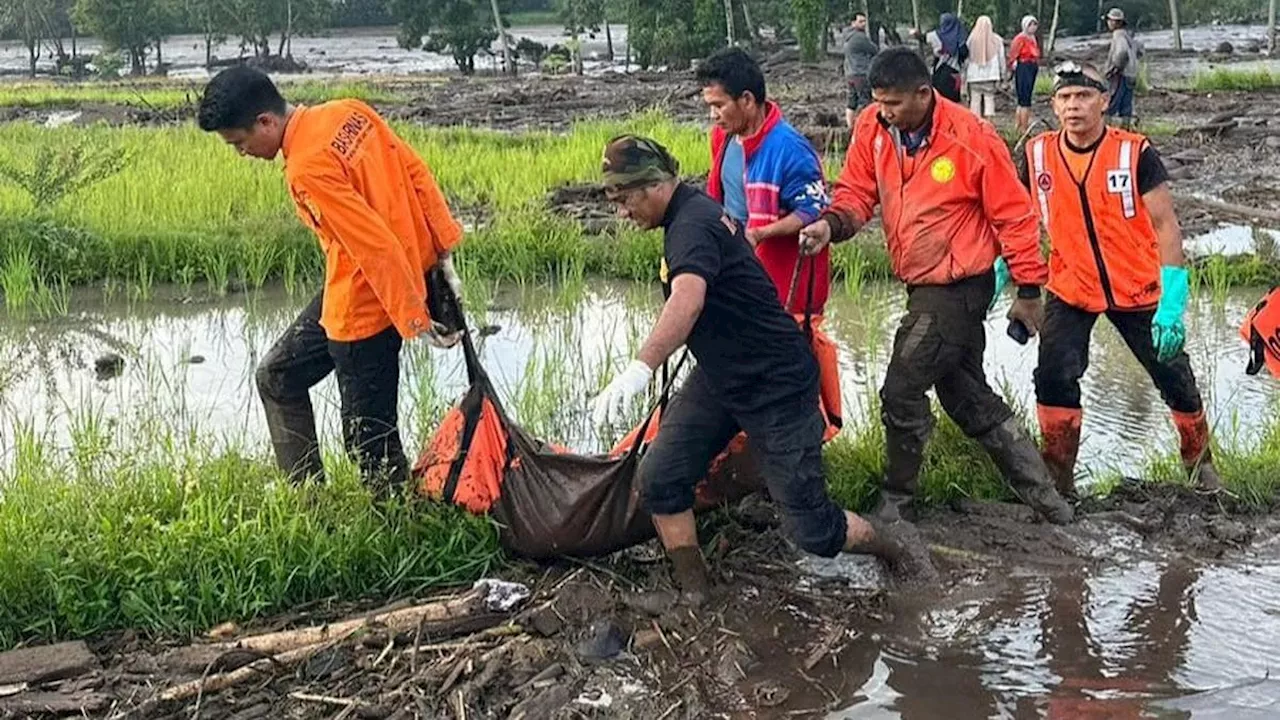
column 293, row 436
column 1197, row 457
column 899, row 544
column 1021, row 464
column 690, row 574
column 904, row 454
column 1060, row 428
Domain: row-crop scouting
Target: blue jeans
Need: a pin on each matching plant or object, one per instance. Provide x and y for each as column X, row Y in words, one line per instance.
column 1121, row 97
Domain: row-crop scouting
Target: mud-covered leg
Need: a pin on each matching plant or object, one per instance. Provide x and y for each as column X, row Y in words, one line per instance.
column 368, row 381
column 297, row 361
column 694, row 429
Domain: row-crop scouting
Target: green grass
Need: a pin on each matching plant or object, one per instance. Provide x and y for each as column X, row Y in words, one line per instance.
column 100, row 537
column 1235, row 79
column 530, row 18
column 170, row 95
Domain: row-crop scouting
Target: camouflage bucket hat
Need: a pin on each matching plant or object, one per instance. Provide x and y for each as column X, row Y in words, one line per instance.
column 631, row 161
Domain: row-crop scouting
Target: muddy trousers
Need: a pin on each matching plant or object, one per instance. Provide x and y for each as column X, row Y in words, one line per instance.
column 1064, row 358
column 368, row 375
column 786, row 440
column 939, row 344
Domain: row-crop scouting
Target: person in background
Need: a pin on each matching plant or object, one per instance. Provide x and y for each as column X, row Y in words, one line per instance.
column 951, row 204
column 1116, row 250
column 1024, row 59
column 949, row 55
column 985, row 68
column 1122, row 68
column 382, row 224
column 859, row 49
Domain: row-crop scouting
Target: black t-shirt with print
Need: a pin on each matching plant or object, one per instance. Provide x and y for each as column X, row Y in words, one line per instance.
column 752, row 353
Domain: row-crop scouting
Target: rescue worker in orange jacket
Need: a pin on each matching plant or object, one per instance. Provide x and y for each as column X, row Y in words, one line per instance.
column 951, row 203
column 382, row 224
column 1115, row 249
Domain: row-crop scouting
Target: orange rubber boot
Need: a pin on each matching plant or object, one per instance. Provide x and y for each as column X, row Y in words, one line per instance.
column 1060, row 428
column 1197, row 457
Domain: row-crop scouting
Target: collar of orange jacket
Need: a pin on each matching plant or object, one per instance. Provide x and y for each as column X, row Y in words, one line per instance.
column 291, row 129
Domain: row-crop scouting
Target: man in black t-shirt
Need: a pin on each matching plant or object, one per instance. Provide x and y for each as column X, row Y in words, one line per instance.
column 755, row 373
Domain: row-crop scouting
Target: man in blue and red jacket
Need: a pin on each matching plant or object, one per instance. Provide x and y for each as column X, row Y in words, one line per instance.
column 764, row 172
column 769, row 179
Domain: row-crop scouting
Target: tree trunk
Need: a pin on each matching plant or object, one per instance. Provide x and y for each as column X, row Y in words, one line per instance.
column 915, row 15
column 728, row 21
column 866, row 10
column 159, row 54
column 33, row 54
column 608, row 40
column 1099, row 16
column 1053, row 28
column 752, row 31
column 507, row 59
column 1177, row 25
column 1271, row 27
column 960, row 9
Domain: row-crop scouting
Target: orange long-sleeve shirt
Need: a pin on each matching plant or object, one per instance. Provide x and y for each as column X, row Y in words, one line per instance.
column 379, row 216
column 950, row 208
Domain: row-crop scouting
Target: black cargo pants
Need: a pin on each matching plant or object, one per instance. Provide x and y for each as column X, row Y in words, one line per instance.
column 939, row 344
column 368, row 374
column 787, row 440
column 1064, row 356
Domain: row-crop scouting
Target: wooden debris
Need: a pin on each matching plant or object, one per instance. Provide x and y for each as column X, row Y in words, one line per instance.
column 405, row 620
column 32, row 703
column 46, row 662
column 214, row 683
column 1230, row 209
column 821, row 651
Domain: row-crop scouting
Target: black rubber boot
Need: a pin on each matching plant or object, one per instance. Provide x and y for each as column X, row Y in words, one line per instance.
column 904, row 451
column 899, row 544
column 690, row 574
column 293, row 436
column 1024, row 468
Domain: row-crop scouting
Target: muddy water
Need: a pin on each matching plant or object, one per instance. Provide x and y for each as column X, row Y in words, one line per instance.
column 190, row 365
column 357, row 51
column 1142, row 638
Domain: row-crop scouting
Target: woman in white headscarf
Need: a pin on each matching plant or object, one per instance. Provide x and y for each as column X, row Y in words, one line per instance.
column 985, row 68
column 1024, row 57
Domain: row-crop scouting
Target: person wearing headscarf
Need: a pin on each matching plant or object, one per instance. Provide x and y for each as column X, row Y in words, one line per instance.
column 1024, row 60
column 949, row 52
column 985, row 68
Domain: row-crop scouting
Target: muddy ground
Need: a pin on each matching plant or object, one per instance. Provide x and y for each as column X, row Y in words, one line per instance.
column 609, row 639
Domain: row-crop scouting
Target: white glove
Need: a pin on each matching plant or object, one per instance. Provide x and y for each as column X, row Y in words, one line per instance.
column 614, row 402
column 438, row 337
column 451, row 274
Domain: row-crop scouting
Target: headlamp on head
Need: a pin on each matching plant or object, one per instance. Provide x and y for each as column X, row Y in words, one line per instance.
column 1072, row 74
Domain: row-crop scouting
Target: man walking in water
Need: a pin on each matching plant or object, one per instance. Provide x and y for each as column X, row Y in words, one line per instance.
column 1116, row 249
column 382, row 224
column 951, row 203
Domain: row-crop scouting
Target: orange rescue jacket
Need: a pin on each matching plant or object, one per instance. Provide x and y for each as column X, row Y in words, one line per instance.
column 377, row 211
column 950, row 208
column 1104, row 252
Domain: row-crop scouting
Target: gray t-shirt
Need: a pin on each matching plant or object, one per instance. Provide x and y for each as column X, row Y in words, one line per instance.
column 858, row 52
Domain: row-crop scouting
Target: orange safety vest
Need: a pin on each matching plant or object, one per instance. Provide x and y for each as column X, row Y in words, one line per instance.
column 1104, row 253
column 378, row 213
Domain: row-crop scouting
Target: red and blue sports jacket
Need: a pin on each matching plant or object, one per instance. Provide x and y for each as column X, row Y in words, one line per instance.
column 784, row 176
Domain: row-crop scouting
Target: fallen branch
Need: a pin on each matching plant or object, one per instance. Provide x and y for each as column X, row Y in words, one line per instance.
column 1214, row 128
column 405, row 620
column 215, row 683
column 1231, row 209
column 341, row 702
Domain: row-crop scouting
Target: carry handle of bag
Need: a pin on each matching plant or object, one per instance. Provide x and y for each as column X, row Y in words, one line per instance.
column 668, row 379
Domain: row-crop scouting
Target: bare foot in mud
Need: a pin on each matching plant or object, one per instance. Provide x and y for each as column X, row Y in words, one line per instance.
column 902, row 548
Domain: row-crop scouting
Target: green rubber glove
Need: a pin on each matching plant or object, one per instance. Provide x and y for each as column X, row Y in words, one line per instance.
column 1167, row 329
column 1003, row 276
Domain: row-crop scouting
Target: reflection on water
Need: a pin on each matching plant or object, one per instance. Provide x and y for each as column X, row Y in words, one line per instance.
column 1166, row 639
column 548, row 354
